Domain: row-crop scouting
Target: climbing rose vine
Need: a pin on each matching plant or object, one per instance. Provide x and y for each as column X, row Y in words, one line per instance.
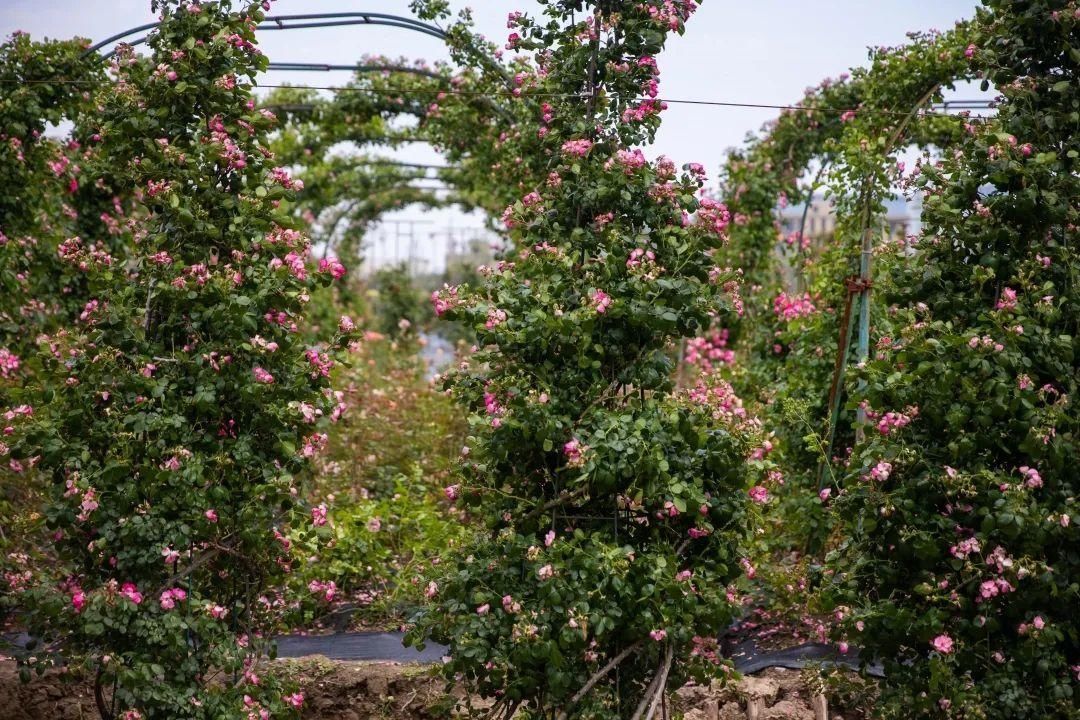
column 613, row 506
column 38, row 290
column 960, row 570
column 801, row 297
column 182, row 416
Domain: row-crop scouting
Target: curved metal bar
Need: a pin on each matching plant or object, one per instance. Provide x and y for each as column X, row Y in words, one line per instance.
column 327, row 67
column 290, row 107
column 284, row 22
column 281, row 22
column 119, row 36
column 418, row 24
column 362, row 21
column 397, row 163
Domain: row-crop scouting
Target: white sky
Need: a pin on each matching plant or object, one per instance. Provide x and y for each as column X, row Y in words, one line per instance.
column 765, row 51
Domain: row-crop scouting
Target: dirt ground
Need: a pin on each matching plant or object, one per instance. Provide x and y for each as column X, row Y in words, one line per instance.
column 385, row 691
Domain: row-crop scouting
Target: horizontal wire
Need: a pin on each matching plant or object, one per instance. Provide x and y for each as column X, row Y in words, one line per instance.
column 332, row 88
column 966, row 105
column 397, row 163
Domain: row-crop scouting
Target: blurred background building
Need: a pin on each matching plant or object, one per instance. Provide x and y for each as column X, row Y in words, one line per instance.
column 901, row 216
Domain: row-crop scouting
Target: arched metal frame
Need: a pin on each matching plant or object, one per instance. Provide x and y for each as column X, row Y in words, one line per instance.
column 298, row 22
column 323, row 20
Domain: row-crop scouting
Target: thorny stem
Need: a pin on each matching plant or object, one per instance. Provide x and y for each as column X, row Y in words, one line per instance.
column 656, row 688
column 597, row 677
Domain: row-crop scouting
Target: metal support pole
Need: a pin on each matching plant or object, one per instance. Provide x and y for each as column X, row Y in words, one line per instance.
column 843, row 350
column 864, row 318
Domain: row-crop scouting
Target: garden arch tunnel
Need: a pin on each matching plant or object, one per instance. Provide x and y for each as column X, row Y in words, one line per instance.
column 297, row 110
column 853, row 128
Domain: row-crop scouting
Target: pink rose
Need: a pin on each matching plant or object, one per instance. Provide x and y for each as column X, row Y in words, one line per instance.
column 332, row 266
column 169, row 598
column 129, row 591
column 943, row 644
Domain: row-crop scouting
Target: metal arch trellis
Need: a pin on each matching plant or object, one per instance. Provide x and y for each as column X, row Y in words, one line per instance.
column 322, row 20
column 297, row 22
column 310, row 21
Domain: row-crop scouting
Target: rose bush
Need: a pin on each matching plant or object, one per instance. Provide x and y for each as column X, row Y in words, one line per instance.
column 42, row 180
column 157, row 370
column 802, row 303
column 185, row 417
column 39, row 290
column 958, row 566
column 613, row 507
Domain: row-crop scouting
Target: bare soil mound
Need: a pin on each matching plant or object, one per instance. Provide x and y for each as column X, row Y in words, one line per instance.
column 381, row 691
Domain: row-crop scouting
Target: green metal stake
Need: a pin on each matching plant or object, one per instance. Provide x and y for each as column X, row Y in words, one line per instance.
column 862, row 285
column 864, row 320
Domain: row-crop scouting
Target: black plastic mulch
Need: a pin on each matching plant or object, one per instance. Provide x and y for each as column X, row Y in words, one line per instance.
column 388, row 647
